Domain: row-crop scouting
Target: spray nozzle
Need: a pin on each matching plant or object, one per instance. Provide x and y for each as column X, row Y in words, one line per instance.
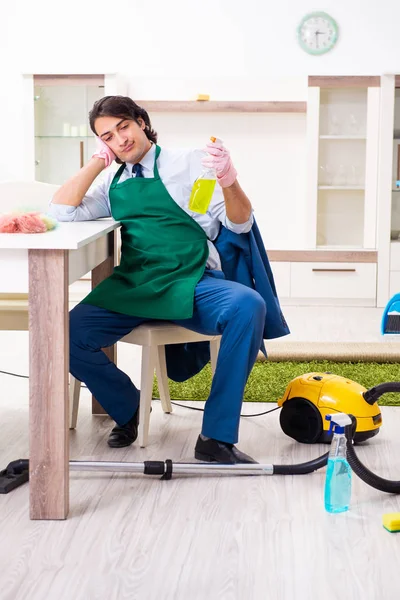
column 338, row 422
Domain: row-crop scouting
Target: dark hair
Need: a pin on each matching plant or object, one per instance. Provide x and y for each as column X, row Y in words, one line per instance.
column 124, row 107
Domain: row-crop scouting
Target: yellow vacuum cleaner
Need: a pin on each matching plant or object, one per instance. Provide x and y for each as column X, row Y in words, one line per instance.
column 310, row 397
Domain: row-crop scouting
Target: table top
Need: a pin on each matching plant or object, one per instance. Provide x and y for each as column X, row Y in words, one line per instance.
column 66, row 236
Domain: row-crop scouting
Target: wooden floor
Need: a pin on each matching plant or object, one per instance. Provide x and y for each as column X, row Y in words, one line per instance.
column 244, row 538
column 135, row 537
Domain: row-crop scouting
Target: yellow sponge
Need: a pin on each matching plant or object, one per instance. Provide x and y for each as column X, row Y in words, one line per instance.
column 391, row 522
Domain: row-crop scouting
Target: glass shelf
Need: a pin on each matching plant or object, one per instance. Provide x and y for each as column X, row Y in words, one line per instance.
column 341, row 187
column 342, row 137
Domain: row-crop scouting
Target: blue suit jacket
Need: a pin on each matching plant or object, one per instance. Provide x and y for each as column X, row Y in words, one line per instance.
column 243, row 259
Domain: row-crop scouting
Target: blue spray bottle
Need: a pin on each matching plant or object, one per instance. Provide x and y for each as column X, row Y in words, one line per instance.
column 338, row 472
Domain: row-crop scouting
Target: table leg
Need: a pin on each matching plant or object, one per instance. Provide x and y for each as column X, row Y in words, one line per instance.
column 99, row 273
column 48, row 384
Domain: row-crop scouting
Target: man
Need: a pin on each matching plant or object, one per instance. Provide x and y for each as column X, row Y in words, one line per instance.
column 169, row 270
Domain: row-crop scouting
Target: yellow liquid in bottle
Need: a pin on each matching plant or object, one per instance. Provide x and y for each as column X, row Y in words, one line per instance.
column 201, row 195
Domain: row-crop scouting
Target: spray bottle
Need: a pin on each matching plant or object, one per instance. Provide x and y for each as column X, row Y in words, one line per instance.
column 203, row 189
column 338, row 472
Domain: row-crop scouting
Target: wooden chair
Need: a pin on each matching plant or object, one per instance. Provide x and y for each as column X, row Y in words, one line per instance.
column 153, row 338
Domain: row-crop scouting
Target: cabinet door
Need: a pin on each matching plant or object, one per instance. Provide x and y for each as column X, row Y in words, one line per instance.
column 281, row 273
column 63, row 140
column 395, row 256
column 333, row 281
column 343, row 155
column 394, row 283
column 395, row 214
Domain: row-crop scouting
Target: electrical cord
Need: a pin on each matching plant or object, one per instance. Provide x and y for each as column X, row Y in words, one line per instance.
column 174, row 403
column 202, row 409
column 15, row 375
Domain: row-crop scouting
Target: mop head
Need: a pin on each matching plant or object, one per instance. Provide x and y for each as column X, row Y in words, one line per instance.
column 27, row 222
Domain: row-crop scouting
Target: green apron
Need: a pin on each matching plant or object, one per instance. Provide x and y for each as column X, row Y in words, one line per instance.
column 163, row 256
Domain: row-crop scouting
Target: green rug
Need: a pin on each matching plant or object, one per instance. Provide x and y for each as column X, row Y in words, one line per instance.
column 268, row 380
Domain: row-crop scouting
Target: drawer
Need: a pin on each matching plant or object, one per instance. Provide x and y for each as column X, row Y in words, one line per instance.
column 395, row 256
column 333, row 280
column 281, row 273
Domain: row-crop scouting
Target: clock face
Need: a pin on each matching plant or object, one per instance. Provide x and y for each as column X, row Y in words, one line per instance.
column 317, row 33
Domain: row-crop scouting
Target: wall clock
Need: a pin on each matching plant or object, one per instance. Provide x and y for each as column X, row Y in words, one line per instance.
column 317, row 33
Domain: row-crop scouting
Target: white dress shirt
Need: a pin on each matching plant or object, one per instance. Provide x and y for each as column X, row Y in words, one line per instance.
column 178, row 170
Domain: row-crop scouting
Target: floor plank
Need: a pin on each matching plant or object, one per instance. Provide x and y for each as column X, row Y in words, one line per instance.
column 136, row 537
column 195, row 537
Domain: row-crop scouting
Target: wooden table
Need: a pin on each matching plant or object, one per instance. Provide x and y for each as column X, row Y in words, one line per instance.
column 44, row 265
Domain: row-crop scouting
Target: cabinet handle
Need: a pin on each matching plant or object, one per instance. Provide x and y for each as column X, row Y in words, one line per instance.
column 334, row 270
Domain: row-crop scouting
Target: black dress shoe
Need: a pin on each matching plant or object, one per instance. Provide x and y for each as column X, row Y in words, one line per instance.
column 124, row 435
column 221, row 452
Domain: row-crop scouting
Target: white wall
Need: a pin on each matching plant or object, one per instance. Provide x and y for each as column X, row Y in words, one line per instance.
column 210, row 37
column 178, row 48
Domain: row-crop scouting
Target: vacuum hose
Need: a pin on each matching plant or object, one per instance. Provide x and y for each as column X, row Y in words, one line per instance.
column 379, row 483
column 302, row 468
column 376, row 392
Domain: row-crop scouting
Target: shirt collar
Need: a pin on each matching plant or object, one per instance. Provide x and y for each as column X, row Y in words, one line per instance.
column 147, row 161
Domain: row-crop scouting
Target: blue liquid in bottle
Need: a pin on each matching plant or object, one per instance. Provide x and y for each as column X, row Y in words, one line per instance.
column 338, row 485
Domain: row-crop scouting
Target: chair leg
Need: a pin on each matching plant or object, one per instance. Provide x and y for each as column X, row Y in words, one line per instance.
column 214, row 349
column 162, row 379
column 146, row 392
column 74, row 393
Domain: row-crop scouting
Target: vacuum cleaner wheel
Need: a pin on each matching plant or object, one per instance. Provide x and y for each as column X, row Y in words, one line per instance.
column 301, row 420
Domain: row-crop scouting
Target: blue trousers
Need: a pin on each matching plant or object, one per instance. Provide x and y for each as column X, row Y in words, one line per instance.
column 221, row 307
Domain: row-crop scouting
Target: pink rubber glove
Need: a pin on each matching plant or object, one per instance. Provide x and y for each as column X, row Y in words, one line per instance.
column 220, row 160
column 103, row 151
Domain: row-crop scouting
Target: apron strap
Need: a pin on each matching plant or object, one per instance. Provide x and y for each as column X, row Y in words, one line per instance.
column 158, row 150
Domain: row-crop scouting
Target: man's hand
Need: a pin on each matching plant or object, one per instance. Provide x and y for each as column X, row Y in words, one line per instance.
column 220, row 160
column 103, row 151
